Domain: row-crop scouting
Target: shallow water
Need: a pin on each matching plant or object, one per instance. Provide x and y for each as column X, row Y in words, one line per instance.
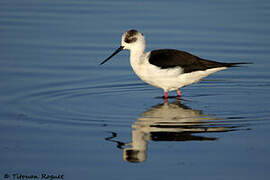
column 61, row 113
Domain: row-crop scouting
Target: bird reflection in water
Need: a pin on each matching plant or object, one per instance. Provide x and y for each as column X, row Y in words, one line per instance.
column 169, row 122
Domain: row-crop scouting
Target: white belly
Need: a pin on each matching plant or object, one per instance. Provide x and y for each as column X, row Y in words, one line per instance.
column 172, row 78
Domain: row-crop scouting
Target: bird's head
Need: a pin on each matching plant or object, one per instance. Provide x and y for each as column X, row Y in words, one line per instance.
column 132, row 40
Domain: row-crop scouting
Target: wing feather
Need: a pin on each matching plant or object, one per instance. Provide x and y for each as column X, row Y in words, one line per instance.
column 170, row 58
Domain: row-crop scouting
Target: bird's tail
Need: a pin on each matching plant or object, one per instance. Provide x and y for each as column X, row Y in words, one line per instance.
column 236, row 64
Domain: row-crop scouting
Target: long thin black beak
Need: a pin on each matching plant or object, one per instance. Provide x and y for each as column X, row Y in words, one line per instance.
column 113, row 54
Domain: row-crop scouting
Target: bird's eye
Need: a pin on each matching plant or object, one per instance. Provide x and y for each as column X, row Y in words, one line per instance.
column 130, row 39
column 142, row 34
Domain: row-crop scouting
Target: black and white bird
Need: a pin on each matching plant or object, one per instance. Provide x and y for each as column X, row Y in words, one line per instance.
column 168, row 69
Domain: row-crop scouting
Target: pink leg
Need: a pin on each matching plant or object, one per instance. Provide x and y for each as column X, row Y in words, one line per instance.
column 179, row 93
column 165, row 95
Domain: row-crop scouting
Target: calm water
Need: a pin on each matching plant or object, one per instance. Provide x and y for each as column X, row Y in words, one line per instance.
column 62, row 113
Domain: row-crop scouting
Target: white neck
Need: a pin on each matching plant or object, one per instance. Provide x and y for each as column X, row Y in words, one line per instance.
column 137, row 54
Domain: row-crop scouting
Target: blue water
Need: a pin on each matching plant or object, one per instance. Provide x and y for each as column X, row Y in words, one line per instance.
column 63, row 113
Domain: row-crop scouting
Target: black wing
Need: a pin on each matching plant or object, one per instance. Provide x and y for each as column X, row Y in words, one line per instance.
column 170, row 58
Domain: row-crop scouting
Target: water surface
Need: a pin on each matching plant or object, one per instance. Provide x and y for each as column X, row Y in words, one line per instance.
column 63, row 113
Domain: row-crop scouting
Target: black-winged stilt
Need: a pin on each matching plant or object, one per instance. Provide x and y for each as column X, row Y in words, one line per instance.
column 168, row 69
